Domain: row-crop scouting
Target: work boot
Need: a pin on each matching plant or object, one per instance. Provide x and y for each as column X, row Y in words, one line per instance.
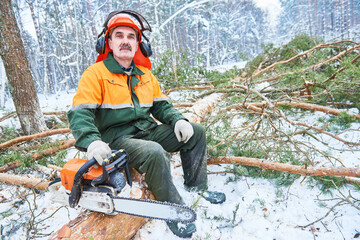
column 183, row 230
column 213, row 197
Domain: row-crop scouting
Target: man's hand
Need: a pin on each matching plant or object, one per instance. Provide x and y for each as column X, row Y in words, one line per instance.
column 183, row 130
column 98, row 150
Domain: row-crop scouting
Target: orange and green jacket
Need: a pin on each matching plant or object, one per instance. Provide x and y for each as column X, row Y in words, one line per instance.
column 109, row 104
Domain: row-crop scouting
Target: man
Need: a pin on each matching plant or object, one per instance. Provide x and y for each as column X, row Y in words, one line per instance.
column 111, row 110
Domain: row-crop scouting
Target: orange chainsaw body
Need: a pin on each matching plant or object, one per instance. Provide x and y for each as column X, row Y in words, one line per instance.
column 69, row 170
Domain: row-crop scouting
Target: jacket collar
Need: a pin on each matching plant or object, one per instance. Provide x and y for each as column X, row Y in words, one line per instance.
column 113, row 66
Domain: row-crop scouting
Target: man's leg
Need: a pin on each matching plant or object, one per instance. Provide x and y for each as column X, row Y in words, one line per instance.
column 193, row 158
column 150, row 158
column 192, row 153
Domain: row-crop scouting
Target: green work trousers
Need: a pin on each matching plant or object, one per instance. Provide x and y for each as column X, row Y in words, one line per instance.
column 149, row 154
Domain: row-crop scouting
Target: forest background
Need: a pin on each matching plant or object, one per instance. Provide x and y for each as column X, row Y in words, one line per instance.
column 59, row 36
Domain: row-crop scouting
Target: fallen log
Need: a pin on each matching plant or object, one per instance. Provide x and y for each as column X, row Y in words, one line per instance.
column 202, row 107
column 307, row 106
column 34, row 136
column 284, row 167
column 35, row 183
column 101, row 226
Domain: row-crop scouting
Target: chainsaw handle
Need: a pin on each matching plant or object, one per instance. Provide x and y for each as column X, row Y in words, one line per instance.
column 119, row 160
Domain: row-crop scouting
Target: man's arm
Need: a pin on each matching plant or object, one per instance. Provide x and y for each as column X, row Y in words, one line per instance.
column 82, row 114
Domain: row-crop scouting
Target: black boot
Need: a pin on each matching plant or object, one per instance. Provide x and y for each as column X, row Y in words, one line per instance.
column 183, row 230
column 213, row 197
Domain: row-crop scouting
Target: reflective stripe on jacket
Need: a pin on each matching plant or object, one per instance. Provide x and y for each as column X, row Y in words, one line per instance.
column 109, row 104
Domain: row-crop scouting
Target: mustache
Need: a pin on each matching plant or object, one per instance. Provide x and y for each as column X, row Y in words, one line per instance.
column 125, row 47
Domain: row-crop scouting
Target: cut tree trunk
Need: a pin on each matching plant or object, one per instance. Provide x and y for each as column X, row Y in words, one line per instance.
column 283, row 167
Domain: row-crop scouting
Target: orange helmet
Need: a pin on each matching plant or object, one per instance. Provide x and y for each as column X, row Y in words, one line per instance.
column 122, row 19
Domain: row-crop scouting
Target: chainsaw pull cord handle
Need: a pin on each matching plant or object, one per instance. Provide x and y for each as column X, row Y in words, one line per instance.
column 78, row 183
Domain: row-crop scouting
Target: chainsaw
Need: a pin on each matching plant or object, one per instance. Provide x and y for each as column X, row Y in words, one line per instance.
column 98, row 189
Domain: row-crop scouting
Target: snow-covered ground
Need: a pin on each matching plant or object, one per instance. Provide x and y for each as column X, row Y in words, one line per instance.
column 255, row 208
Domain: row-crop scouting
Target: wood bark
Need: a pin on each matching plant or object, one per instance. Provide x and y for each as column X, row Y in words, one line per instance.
column 283, row 167
column 100, row 226
column 202, row 107
column 18, row 72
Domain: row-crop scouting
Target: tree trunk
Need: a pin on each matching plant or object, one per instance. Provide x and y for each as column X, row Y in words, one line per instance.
column 18, row 72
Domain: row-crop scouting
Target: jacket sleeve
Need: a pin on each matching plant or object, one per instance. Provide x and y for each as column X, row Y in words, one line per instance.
column 82, row 114
column 162, row 109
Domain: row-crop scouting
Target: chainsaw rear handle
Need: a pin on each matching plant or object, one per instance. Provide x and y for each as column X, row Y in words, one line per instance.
column 121, row 162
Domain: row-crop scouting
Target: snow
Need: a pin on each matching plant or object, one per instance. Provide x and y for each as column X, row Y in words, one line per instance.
column 254, row 209
column 225, row 67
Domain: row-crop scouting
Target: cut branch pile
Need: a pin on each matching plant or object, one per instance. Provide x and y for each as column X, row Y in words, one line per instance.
column 269, row 94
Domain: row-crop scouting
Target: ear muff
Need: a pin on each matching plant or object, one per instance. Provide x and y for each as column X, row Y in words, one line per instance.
column 100, row 45
column 145, row 49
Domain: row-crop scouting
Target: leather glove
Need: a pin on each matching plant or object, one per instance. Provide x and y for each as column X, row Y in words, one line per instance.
column 98, row 150
column 183, row 130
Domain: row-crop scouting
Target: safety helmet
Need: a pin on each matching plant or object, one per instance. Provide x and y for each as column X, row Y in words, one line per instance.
column 121, row 19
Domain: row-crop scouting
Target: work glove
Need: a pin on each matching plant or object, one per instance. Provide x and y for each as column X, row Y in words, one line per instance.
column 183, row 130
column 98, row 150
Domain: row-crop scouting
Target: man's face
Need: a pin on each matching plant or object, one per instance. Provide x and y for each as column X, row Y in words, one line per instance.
column 123, row 42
